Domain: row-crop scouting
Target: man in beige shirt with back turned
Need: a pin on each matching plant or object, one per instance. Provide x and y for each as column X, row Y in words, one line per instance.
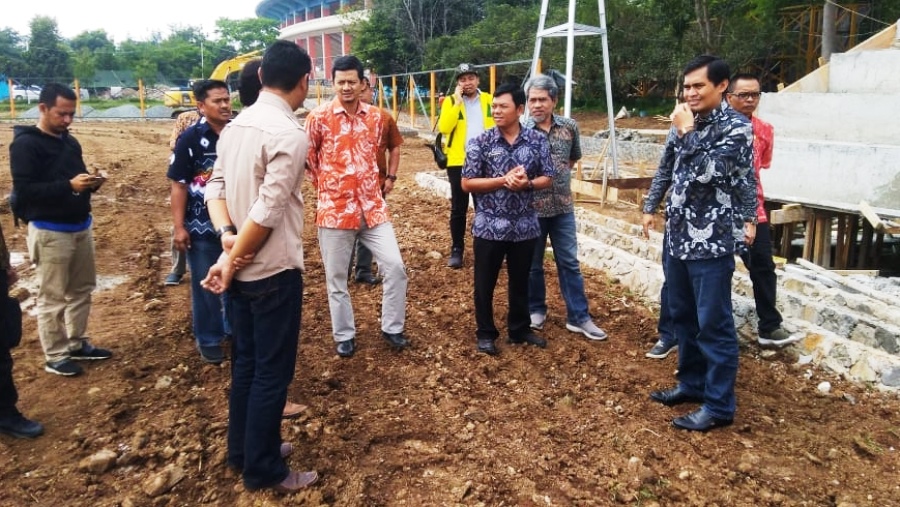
column 255, row 204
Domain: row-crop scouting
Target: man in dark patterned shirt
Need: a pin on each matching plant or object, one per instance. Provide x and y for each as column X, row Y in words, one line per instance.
column 708, row 162
column 504, row 166
column 556, row 212
column 190, row 168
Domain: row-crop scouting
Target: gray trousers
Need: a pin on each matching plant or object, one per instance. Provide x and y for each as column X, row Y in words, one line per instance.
column 336, row 246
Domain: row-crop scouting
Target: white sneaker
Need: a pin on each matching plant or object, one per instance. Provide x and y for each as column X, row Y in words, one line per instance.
column 537, row 320
column 588, row 329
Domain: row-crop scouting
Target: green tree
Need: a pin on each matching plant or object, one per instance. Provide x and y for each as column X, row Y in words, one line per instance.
column 99, row 45
column 47, row 57
column 84, row 65
column 246, row 35
column 11, row 49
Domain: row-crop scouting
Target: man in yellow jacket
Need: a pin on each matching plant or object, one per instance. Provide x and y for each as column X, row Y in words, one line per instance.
column 464, row 115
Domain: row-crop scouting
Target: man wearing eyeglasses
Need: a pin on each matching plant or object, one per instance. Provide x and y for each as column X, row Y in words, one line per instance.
column 743, row 96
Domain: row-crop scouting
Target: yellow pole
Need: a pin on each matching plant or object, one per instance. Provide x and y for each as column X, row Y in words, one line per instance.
column 412, row 101
column 12, row 100
column 394, row 97
column 493, row 78
column 538, row 68
column 380, row 93
column 77, row 98
column 141, row 95
column 433, row 98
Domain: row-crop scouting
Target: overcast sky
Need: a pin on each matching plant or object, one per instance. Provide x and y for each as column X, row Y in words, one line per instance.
column 125, row 19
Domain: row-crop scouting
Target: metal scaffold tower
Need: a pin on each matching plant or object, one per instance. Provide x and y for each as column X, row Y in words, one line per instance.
column 570, row 30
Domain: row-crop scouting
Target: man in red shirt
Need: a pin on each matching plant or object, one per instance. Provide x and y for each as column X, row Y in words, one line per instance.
column 743, row 95
column 388, row 158
column 344, row 136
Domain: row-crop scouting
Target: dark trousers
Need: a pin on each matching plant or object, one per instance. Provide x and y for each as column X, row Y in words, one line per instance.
column 459, row 206
column 8, row 394
column 266, row 326
column 664, row 326
column 759, row 263
column 700, row 302
column 489, row 257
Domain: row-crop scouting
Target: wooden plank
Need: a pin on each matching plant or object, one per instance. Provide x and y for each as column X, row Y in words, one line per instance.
column 849, row 272
column 822, row 241
column 808, row 239
column 865, row 245
column 841, row 250
column 787, row 236
column 871, row 216
column 626, row 183
column 789, row 213
column 849, row 283
column 587, row 188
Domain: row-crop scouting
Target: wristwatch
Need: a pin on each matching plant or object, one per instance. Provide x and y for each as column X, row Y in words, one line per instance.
column 392, row 177
column 226, row 228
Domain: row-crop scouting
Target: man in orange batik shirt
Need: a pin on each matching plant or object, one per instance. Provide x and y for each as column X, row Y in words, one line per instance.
column 344, row 135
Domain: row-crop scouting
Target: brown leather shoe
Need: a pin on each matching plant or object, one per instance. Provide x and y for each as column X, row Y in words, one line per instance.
column 295, row 481
column 292, row 410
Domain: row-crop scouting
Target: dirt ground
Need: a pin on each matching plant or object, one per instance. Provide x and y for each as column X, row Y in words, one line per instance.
column 438, row 424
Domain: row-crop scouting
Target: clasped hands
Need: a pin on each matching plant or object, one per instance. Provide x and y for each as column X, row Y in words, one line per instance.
column 220, row 274
column 516, row 179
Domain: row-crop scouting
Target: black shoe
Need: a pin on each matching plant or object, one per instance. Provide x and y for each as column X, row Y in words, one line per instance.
column 20, row 427
column 530, row 339
column 456, row 258
column 65, row 367
column 397, row 340
column 487, row 346
column 89, row 352
column 699, row 420
column 368, row 278
column 346, row 348
column 674, row 396
column 211, row 355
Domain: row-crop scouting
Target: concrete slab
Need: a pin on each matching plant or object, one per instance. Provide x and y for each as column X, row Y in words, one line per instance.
column 865, row 72
column 835, row 175
column 834, row 116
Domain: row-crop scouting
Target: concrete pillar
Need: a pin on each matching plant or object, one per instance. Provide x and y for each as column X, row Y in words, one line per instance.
column 326, row 55
column 829, row 30
column 896, row 43
column 346, row 39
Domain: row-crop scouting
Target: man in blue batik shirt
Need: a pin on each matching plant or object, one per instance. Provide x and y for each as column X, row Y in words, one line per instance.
column 190, row 169
column 504, row 166
column 710, row 214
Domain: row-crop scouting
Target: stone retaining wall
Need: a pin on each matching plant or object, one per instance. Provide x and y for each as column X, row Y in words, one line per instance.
column 853, row 335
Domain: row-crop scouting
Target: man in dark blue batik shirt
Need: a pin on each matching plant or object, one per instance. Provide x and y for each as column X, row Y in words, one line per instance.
column 190, row 168
column 504, row 166
column 710, row 215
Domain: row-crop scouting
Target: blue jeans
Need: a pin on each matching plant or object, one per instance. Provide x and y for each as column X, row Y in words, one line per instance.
column 665, row 326
column 561, row 230
column 209, row 322
column 700, row 302
column 266, row 321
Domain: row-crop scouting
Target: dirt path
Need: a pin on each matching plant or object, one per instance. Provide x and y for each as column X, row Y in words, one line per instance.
column 436, row 425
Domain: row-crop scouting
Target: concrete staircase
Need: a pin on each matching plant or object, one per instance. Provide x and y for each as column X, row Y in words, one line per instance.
column 837, row 134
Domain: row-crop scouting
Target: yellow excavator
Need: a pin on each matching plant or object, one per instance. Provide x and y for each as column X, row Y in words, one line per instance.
column 182, row 98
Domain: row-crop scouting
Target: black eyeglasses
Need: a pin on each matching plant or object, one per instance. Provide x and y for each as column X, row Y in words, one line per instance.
column 747, row 95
